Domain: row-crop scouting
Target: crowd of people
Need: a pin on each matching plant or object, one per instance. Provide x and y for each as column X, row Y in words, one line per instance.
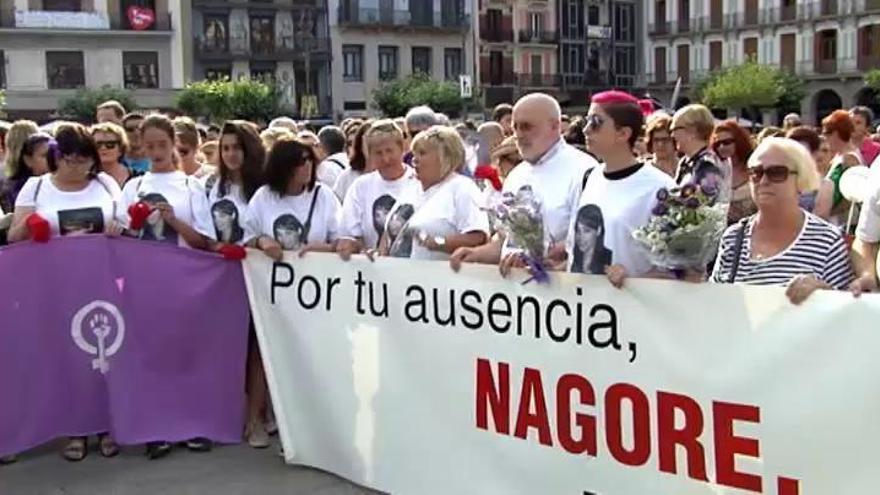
column 421, row 187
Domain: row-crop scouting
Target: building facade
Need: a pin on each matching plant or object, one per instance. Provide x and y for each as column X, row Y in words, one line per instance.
column 380, row 40
column 569, row 48
column 828, row 43
column 286, row 41
column 48, row 48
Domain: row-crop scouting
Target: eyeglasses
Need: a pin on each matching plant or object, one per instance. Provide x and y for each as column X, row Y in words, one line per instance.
column 774, row 173
column 79, row 161
column 724, row 142
column 109, row 145
column 594, row 123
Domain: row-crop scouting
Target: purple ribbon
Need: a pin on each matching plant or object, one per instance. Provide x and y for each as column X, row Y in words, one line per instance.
column 536, row 268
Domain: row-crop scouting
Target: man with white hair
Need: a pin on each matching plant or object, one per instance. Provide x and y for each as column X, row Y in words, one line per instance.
column 791, row 121
column 554, row 172
column 417, row 120
column 285, row 123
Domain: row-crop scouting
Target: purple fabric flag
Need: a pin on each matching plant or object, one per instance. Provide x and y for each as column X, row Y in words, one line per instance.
column 145, row 340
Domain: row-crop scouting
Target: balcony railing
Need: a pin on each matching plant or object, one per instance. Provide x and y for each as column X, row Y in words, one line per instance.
column 863, row 6
column 786, row 14
column 589, row 79
column 401, row 18
column 869, row 62
column 683, row 26
column 538, row 80
column 544, row 37
column 660, row 28
column 288, row 48
column 826, row 66
column 498, row 78
column 497, row 35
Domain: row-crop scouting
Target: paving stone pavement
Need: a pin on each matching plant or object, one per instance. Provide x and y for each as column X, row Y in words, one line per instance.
column 227, row 470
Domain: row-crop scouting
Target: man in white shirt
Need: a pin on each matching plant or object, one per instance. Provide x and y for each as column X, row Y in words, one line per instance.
column 332, row 142
column 554, row 171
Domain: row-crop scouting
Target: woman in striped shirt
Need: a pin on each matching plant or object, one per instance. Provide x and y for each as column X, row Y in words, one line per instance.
column 782, row 244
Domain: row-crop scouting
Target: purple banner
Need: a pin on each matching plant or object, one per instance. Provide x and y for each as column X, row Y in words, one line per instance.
column 141, row 339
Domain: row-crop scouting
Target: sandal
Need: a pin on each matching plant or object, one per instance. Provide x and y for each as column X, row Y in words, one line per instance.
column 76, row 450
column 108, row 445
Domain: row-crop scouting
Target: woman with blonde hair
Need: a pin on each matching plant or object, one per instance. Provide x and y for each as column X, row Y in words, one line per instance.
column 17, row 169
column 782, row 244
column 272, row 135
column 692, row 127
column 112, row 144
column 445, row 214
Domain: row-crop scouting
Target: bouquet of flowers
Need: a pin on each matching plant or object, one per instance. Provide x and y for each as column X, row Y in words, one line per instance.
column 685, row 227
column 519, row 217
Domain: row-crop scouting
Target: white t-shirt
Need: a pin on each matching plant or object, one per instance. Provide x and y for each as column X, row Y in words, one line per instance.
column 368, row 202
column 284, row 218
column 331, row 168
column 447, row 208
column 87, row 211
column 868, row 229
column 345, row 180
column 556, row 179
column 185, row 194
column 229, row 213
column 611, row 207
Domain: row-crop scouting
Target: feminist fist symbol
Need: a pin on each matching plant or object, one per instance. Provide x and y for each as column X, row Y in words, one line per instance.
column 98, row 318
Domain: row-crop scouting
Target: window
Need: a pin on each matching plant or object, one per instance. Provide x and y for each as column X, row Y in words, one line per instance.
column 421, row 59
column 452, row 63
column 218, row 73
column 214, row 36
column 593, row 15
column 262, row 34
column 573, row 59
column 827, row 45
column 625, row 61
column 2, row 69
column 387, row 62
column 65, row 70
column 623, row 22
column 493, row 21
column 536, row 22
column 61, row 5
column 354, row 105
column 140, row 69
column 353, row 63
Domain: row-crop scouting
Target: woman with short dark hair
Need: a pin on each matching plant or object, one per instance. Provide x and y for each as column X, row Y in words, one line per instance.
column 75, row 198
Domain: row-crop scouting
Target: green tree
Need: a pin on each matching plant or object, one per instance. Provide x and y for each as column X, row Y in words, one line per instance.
column 395, row 98
column 792, row 91
column 81, row 106
column 872, row 79
column 222, row 100
column 749, row 85
column 2, row 103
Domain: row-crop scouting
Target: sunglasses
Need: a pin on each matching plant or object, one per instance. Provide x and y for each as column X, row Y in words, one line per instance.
column 594, row 123
column 774, row 173
column 109, row 145
column 724, row 142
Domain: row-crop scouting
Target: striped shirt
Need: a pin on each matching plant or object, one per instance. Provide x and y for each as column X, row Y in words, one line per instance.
column 818, row 250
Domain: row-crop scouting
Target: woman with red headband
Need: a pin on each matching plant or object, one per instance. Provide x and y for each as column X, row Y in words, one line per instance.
column 618, row 194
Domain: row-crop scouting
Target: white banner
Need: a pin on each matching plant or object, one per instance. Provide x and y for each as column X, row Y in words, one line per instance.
column 410, row 379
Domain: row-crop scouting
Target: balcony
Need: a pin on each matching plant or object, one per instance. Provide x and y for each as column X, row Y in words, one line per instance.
column 80, row 21
column 502, row 78
column 497, row 35
column 683, row 26
column 538, row 80
column 296, row 48
column 868, row 62
column 867, row 6
column 661, row 78
column 827, row 66
column 660, row 28
column 540, row 37
column 401, row 19
column 829, row 8
column 592, row 78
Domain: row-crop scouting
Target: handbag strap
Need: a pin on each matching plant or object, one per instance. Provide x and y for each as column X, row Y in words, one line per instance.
column 737, row 249
column 308, row 226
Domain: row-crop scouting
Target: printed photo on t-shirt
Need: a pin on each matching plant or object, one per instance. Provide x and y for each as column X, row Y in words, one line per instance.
column 381, row 208
column 399, row 238
column 227, row 221
column 589, row 253
column 289, row 232
column 81, row 221
column 155, row 228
